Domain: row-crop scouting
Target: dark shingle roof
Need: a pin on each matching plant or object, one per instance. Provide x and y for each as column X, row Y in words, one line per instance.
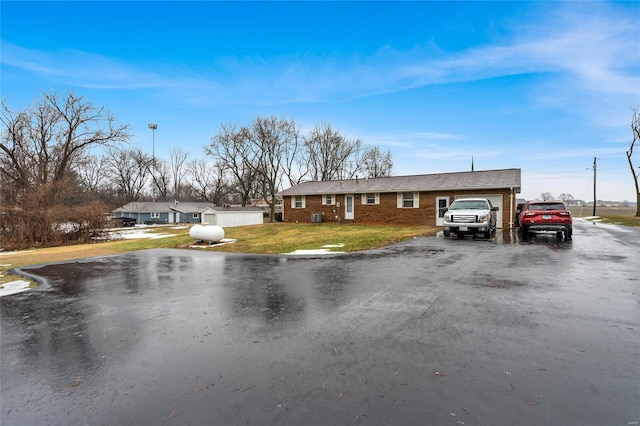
column 163, row 206
column 181, row 206
column 236, row 209
column 476, row 180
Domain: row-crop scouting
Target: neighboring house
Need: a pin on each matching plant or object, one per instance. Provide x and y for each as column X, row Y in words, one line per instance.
column 400, row 200
column 190, row 212
column 264, row 205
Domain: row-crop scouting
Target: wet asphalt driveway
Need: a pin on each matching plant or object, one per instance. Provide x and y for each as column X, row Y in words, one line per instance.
column 432, row 331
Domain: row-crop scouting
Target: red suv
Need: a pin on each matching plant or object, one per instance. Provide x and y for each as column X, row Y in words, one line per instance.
column 546, row 216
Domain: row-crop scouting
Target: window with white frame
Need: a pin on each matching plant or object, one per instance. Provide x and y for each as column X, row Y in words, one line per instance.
column 297, row 202
column 373, row 198
column 155, row 215
column 408, row 200
column 328, row 199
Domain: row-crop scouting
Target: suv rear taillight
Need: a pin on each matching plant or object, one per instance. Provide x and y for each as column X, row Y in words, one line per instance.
column 564, row 213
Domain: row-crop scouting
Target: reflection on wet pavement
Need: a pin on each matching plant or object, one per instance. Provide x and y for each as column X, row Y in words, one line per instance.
column 192, row 337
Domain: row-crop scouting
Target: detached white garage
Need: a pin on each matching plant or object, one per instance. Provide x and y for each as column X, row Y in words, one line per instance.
column 228, row 217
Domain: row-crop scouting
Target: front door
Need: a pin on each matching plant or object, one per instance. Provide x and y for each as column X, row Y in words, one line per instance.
column 442, row 203
column 348, row 207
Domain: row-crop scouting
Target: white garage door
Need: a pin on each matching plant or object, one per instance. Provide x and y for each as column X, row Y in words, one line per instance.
column 496, row 201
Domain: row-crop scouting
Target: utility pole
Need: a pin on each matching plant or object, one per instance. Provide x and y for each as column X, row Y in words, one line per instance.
column 153, row 127
column 594, row 186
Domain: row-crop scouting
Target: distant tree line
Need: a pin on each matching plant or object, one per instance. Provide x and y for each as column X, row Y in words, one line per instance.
column 546, row 196
column 65, row 163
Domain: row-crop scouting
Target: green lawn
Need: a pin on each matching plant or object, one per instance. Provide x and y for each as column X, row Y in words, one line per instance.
column 266, row 238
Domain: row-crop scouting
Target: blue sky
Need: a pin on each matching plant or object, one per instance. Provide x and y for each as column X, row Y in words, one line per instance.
column 541, row 86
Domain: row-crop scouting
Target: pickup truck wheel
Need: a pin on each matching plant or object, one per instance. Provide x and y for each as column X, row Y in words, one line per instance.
column 447, row 232
column 487, row 234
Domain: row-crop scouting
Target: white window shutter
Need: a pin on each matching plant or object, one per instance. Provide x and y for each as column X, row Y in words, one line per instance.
column 416, row 200
column 377, row 198
column 399, row 200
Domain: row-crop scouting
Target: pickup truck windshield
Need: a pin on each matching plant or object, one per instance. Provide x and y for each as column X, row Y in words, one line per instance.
column 469, row 205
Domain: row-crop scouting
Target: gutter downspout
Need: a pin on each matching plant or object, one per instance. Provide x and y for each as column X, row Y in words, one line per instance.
column 511, row 208
column 283, row 208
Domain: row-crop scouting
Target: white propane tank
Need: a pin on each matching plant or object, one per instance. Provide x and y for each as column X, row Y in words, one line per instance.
column 211, row 233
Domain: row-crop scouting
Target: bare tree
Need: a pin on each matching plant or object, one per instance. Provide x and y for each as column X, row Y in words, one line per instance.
column 635, row 129
column 91, row 171
column 377, row 164
column 129, row 172
column 42, row 144
column 331, row 155
column 178, row 157
column 160, row 173
column 546, row 196
column 232, row 148
column 566, row 197
column 208, row 181
column 273, row 144
column 40, row 151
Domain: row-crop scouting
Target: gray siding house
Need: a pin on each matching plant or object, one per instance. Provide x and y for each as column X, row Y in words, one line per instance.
column 190, row 213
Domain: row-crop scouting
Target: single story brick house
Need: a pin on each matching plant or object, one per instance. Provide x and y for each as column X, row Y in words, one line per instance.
column 400, row 200
column 190, row 212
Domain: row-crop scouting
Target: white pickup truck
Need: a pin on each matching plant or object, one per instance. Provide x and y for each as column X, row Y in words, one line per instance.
column 470, row 216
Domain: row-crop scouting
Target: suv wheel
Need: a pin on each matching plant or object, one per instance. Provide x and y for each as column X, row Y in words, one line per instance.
column 567, row 234
column 447, row 232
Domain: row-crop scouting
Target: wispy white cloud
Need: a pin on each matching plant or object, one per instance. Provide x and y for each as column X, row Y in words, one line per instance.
column 89, row 70
column 448, row 153
column 593, row 46
column 433, row 136
column 411, row 140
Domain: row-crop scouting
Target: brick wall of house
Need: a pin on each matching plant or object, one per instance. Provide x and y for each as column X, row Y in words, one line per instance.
column 385, row 213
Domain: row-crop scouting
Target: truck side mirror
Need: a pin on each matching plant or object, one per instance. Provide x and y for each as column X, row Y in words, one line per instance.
column 495, row 209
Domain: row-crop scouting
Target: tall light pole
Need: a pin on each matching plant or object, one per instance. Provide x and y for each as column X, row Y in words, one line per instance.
column 153, row 127
column 594, row 186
